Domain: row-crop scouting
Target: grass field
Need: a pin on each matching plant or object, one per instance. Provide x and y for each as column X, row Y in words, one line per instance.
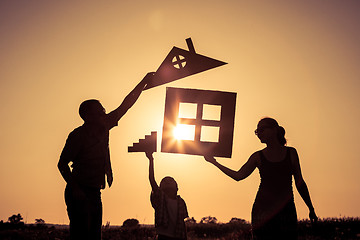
column 332, row 228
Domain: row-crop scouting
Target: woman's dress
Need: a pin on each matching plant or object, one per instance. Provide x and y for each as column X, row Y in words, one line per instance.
column 274, row 213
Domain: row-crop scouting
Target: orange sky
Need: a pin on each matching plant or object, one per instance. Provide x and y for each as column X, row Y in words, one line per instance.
column 296, row 61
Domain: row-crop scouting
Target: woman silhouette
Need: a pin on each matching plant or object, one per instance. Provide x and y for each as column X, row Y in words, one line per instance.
column 273, row 214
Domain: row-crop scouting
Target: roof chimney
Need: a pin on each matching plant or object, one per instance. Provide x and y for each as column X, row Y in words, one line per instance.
column 190, row 45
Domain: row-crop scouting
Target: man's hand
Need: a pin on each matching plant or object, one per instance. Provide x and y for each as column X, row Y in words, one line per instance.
column 110, row 179
column 148, row 78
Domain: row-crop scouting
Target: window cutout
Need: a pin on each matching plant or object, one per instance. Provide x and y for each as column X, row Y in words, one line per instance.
column 179, row 61
column 184, row 132
column 211, row 112
column 211, row 137
column 209, row 134
column 187, row 110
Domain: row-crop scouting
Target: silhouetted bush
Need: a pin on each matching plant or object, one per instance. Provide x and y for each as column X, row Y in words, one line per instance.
column 15, row 219
column 330, row 228
column 235, row 229
column 209, row 219
column 190, row 221
column 209, row 228
column 14, row 222
column 131, row 223
column 125, row 233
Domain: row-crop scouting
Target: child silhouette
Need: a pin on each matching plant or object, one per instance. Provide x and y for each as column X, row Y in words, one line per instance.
column 170, row 208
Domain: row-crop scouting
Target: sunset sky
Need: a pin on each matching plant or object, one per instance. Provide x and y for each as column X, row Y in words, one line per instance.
column 295, row 61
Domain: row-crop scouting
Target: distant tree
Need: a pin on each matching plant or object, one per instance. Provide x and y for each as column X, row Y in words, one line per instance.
column 15, row 219
column 209, row 219
column 107, row 225
column 131, row 223
column 39, row 221
column 190, row 220
column 237, row 220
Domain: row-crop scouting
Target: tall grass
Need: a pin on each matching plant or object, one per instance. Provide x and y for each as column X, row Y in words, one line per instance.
column 328, row 228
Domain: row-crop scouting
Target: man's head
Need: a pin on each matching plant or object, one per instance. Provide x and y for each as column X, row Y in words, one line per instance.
column 92, row 111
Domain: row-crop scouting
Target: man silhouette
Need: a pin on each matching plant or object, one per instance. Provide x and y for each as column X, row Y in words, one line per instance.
column 87, row 147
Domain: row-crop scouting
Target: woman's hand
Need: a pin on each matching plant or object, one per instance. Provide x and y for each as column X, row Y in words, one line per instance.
column 210, row 159
column 312, row 216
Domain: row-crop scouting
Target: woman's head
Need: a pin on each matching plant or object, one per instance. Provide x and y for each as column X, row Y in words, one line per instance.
column 270, row 124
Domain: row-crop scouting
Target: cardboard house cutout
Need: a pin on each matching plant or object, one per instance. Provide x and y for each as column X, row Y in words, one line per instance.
column 209, row 134
column 181, row 63
column 221, row 124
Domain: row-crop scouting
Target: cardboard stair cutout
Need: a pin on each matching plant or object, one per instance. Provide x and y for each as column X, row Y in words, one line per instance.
column 145, row 145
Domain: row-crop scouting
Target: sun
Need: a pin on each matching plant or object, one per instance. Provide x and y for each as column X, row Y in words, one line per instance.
column 184, row 132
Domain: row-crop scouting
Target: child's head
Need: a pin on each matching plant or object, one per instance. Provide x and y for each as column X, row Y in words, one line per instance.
column 169, row 186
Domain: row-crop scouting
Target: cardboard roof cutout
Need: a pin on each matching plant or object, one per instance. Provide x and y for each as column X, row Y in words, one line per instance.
column 202, row 101
column 181, row 63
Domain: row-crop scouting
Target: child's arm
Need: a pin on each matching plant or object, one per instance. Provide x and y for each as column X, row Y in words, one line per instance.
column 152, row 180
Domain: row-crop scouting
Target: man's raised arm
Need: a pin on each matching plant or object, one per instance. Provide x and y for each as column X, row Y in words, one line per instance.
column 131, row 98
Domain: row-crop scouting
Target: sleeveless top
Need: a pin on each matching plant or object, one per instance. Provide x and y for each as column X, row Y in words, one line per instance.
column 274, row 199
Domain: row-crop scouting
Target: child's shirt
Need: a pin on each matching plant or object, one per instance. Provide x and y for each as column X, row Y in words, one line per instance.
column 169, row 214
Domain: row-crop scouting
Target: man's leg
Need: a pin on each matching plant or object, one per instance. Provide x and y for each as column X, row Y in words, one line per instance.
column 95, row 214
column 77, row 215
